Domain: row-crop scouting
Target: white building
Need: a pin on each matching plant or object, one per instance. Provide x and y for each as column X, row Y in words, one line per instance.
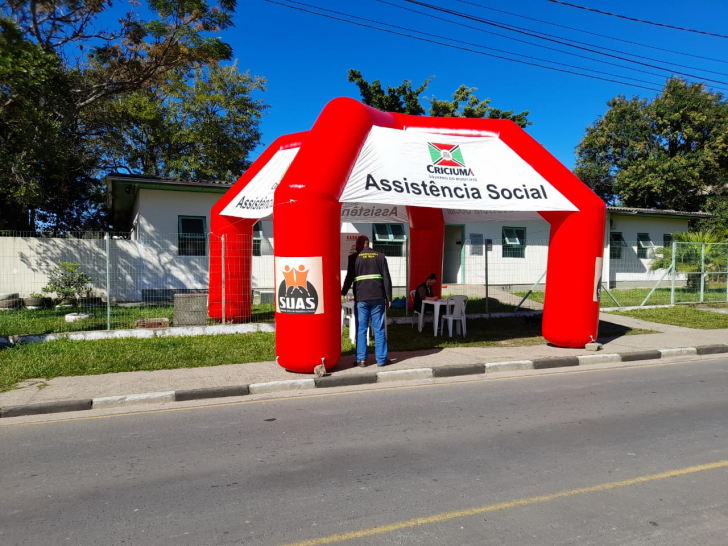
column 518, row 242
column 165, row 247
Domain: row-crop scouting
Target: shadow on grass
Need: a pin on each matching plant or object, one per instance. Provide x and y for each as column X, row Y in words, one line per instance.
column 409, row 343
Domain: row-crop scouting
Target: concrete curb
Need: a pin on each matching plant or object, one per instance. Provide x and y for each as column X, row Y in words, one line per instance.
column 210, row 392
column 355, row 379
column 132, row 399
column 48, row 407
column 712, row 349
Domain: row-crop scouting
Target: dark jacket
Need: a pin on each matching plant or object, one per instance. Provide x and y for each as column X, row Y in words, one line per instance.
column 368, row 272
column 423, row 291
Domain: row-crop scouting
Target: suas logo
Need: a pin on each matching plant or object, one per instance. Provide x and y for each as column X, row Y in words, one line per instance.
column 296, row 294
column 447, row 159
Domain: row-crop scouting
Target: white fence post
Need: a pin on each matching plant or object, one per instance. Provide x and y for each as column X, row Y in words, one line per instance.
column 108, row 281
column 672, row 279
column 702, row 272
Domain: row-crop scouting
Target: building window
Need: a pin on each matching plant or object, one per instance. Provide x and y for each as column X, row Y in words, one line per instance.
column 667, row 240
column 191, row 236
column 644, row 244
column 514, row 242
column 257, row 239
column 389, row 239
column 616, row 244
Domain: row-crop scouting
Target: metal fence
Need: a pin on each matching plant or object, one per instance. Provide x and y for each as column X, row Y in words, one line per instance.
column 163, row 279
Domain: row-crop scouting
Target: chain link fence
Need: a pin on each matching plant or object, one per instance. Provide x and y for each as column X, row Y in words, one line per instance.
column 99, row 281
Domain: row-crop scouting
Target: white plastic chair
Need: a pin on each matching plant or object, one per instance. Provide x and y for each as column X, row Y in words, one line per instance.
column 455, row 312
column 351, row 324
column 415, row 312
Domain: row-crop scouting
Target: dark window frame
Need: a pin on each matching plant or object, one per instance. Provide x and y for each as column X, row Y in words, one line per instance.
column 644, row 244
column 258, row 239
column 616, row 244
column 514, row 243
column 389, row 239
column 191, row 243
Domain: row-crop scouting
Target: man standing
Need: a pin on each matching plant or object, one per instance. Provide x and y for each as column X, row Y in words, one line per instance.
column 369, row 274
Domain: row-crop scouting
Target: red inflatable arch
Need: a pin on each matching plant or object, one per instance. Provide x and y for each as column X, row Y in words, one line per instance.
column 355, row 153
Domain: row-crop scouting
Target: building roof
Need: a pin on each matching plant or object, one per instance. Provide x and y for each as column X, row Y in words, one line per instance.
column 657, row 212
column 168, row 181
column 121, row 191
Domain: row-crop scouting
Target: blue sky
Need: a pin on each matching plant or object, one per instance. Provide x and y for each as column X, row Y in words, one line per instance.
column 305, row 57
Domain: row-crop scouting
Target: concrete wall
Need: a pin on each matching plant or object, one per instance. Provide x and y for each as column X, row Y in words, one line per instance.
column 25, row 263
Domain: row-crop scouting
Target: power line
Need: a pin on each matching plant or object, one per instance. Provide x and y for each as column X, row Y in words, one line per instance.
column 516, row 40
column 595, row 33
column 530, row 33
column 459, row 47
column 490, row 48
column 558, row 39
column 638, row 20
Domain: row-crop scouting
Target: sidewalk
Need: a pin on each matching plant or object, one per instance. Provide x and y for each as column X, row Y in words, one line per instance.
column 127, row 388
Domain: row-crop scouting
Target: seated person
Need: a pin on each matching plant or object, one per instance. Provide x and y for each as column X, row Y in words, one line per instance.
column 425, row 292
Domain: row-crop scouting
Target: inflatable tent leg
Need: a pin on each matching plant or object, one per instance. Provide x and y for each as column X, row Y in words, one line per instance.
column 571, row 304
column 427, row 237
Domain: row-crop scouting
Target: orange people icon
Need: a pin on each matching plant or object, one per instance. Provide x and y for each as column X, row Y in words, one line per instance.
column 301, row 276
column 289, row 276
column 295, row 277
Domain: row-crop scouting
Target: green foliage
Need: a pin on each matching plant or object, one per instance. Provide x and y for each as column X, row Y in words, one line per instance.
column 178, row 35
column 689, row 251
column 698, row 252
column 44, row 164
column 202, row 126
column 466, row 105
column 670, row 152
column 404, row 99
column 59, row 69
column 67, row 281
column 401, row 99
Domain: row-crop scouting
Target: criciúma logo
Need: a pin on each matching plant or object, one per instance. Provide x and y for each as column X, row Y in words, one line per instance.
column 447, row 159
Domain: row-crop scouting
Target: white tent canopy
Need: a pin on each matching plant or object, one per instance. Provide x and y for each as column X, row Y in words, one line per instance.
column 472, row 179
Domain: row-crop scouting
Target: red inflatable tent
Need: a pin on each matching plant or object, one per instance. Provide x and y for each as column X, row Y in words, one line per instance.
column 356, row 154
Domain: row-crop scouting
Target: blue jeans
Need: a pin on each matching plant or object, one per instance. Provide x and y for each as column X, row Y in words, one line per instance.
column 376, row 311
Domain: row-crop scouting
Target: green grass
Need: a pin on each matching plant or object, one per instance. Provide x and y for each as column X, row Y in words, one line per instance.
column 46, row 321
column 635, row 296
column 685, row 316
column 73, row 358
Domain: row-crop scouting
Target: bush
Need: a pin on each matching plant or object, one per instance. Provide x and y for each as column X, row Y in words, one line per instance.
column 67, row 281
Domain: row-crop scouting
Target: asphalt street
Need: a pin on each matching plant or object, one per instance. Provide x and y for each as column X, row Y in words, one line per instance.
column 629, row 456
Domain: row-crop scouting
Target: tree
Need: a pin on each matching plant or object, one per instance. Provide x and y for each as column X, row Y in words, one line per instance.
column 198, row 125
column 129, row 56
column 670, row 152
column 44, row 164
column 466, row 105
column 60, row 74
column 404, row 99
column 401, row 99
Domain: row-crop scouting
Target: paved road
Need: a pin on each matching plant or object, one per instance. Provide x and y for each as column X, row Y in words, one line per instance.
column 635, row 456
